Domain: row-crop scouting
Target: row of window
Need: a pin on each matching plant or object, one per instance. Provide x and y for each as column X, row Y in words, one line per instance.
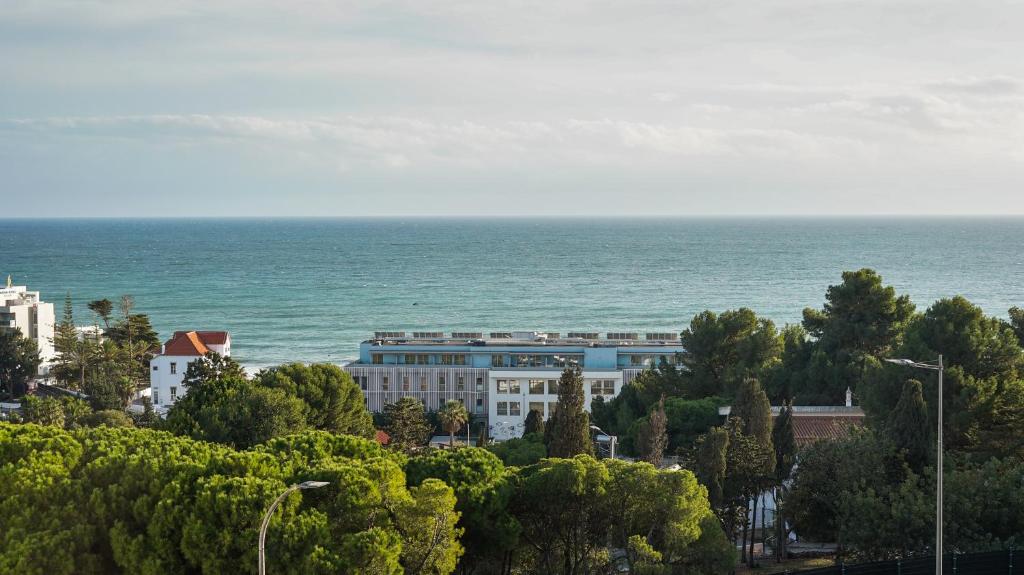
column 422, row 383
column 422, row 359
column 434, row 405
column 536, row 386
column 156, row 395
column 174, row 367
column 514, row 408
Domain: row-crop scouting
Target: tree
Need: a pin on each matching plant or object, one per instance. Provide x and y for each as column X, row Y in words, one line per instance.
column 406, row 424
column 570, row 424
column 520, row 451
column 482, row 490
column 534, row 423
column 1017, row 323
column 453, row 416
column 75, row 355
column 721, row 350
column 711, row 465
column 908, row 427
column 654, row 436
column 104, row 309
column 333, row 402
column 860, row 315
column 222, row 406
column 19, row 363
column 752, row 408
column 784, row 443
column 109, row 418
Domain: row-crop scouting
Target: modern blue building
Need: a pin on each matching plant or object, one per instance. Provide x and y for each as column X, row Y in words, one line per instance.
column 501, row 375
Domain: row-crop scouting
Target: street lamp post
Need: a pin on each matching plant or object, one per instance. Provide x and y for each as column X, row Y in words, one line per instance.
column 270, row 513
column 939, row 367
column 611, row 440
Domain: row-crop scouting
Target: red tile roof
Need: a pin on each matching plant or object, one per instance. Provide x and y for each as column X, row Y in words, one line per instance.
column 808, row 429
column 382, row 437
column 194, row 343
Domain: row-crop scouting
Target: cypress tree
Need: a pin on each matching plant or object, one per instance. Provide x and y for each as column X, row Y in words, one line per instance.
column 753, row 408
column 534, row 423
column 570, row 425
column 784, row 443
column 711, row 464
column 654, row 435
column 908, row 426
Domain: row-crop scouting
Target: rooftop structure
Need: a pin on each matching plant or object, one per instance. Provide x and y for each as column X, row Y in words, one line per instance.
column 504, row 375
column 23, row 310
column 167, row 369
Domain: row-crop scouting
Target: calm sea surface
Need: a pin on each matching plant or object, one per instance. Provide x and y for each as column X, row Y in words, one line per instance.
column 311, row 289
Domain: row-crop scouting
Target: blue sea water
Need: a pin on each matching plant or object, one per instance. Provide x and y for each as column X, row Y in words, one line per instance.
column 311, row 289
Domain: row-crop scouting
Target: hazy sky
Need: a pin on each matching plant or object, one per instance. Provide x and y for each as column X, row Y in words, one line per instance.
column 246, row 107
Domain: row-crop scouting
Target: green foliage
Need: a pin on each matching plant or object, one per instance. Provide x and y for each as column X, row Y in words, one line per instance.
column 784, row 443
column 720, row 351
column 1017, row 324
column 224, row 407
column 569, row 429
column 66, row 412
column 453, row 416
column 711, row 464
column 109, row 418
column 908, row 427
column 19, row 363
column 518, row 452
column 482, row 490
column 406, row 424
column 535, row 422
column 117, row 500
column 653, row 435
column 331, row 400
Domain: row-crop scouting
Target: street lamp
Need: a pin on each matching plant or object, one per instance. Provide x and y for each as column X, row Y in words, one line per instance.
column 270, row 513
column 611, row 439
column 939, row 367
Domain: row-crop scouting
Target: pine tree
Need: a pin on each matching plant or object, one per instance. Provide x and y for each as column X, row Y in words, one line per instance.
column 908, row 426
column 534, row 423
column 407, row 424
column 570, row 425
column 654, row 435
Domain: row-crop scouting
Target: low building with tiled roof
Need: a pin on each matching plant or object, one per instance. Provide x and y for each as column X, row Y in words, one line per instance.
column 168, row 368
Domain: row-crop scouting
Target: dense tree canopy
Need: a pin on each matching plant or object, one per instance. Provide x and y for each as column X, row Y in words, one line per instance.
column 332, row 401
column 719, row 351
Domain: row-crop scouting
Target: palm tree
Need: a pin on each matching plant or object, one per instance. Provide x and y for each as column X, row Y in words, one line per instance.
column 453, row 416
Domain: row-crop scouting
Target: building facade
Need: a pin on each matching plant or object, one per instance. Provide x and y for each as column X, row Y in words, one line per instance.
column 23, row 310
column 503, row 376
column 167, row 369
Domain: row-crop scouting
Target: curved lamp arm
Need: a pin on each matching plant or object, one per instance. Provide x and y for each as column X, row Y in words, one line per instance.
column 270, row 513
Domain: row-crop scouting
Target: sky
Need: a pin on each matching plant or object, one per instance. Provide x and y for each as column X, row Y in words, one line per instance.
column 169, row 108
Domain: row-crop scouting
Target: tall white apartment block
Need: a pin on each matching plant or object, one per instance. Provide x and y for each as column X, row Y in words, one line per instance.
column 22, row 310
column 167, row 369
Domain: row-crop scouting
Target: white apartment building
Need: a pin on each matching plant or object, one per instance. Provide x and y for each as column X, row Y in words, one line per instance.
column 167, row 370
column 23, row 310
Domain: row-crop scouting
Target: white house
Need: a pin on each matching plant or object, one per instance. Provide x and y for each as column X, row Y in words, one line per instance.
column 23, row 310
column 167, row 370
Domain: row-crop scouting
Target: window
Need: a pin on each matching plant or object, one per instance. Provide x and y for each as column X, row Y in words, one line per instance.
column 602, row 387
column 537, row 406
column 363, row 383
column 409, row 358
column 513, row 386
column 174, row 367
column 377, row 358
column 423, row 383
column 453, row 359
column 553, row 386
column 423, row 359
column 479, row 406
column 405, row 383
column 156, row 397
column 502, row 386
column 384, row 385
column 514, row 408
column 174, row 393
column 637, row 359
column 552, row 405
column 479, row 384
column 536, row 387
column 155, row 367
column 502, row 408
column 460, row 384
column 497, row 360
column 440, row 383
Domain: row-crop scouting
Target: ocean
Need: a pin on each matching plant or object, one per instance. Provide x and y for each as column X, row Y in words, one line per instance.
column 312, row 289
